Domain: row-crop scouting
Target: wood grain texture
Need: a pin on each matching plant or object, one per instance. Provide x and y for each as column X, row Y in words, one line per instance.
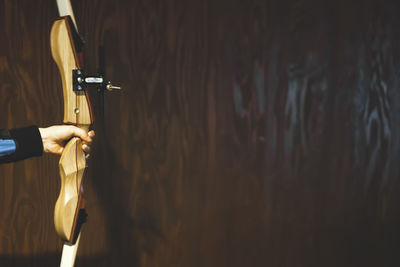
column 248, row 133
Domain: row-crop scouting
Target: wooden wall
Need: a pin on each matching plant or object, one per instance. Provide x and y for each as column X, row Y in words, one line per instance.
column 248, row 133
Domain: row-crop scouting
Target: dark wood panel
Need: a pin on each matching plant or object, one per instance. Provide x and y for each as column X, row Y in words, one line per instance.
column 28, row 189
column 248, row 133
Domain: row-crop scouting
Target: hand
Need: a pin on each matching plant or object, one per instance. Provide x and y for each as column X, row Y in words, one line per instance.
column 54, row 138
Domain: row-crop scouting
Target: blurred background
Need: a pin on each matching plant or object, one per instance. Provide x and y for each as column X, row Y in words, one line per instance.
column 247, row 133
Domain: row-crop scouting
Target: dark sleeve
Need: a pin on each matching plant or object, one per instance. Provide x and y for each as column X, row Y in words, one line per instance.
column 28, row 143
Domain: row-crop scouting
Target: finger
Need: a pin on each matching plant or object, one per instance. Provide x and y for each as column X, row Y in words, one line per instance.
column 91, row 133
column 58, row 151
column 86, row 148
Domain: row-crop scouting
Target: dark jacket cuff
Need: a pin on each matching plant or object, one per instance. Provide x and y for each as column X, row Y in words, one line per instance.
column 28, row 141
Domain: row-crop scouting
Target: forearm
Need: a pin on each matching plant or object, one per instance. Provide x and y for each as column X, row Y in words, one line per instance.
column 27, row 140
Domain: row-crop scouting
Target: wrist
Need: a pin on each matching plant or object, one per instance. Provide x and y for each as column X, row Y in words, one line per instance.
column 43, row 135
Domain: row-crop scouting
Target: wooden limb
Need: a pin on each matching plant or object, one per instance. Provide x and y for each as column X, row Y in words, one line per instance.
column 72, row 166
column 69, row 253
column 65, row 9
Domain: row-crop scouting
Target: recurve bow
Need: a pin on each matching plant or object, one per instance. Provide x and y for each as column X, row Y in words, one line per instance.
column 66, row 48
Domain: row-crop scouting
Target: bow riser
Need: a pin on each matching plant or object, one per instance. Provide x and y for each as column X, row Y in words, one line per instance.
column 65, row 48
column 64, row 51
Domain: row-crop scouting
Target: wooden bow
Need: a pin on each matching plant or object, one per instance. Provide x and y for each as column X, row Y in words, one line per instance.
column 66, row 48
